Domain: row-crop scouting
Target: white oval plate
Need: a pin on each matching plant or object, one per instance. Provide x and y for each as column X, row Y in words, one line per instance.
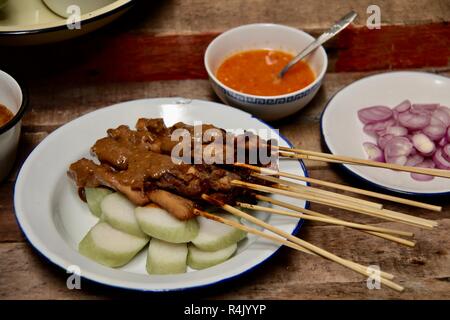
column 54, row 219
column 343, row 133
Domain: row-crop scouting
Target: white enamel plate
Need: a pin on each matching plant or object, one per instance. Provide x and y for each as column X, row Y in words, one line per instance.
column 54, row 219
column 343, row 132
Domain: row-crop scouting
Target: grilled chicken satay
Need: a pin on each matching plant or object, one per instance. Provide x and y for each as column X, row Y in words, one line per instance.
column 138, row 164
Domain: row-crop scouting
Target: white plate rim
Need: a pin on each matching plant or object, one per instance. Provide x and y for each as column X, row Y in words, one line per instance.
column 86, row 18
column 61, row 263
column 348, row 169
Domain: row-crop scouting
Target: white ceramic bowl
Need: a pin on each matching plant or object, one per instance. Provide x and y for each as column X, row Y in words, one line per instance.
column 12, row 97
column 264, row 36
column 343, row 133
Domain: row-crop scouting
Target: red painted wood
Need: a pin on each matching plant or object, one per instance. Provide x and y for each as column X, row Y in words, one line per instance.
column 106, row 57
column 394, row 47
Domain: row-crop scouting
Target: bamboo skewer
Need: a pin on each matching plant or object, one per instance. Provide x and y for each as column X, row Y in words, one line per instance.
column 320, row 191
column 317, row 214
column 385, row 214
column 355, row 161
column 291, row 186
column 254, row 231
column 299, row 241
column 279, row 240
column 343, row 187
column 304, row 196
column 326, row 220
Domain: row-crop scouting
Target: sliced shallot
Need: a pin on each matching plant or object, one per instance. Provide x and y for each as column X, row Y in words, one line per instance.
column 374, row 114
column 403, row 106
column 440, row 161
column 396, row 131
column 414, row 121
column 423, row 144
column 373, row 151
column 442, row 115
column 421, row 108
column 397, row 150
column 443, row 142
column 423, row 177
column 434, row 132
column 383, row 140
column 414, row 160
column 377, row 128
column 416, row 135
column 446, row 152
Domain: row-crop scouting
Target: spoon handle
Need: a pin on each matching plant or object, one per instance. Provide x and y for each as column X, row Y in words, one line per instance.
column 324, row 37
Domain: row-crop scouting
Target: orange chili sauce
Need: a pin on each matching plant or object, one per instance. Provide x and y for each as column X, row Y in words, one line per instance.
column 255, row 72
column 5, row 115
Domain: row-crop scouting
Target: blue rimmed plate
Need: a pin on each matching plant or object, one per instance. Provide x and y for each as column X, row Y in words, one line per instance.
column 342, row 132
column 54, row 219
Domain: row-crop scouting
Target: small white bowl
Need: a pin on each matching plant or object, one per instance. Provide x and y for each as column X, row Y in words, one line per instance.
column 12, row 97
column 264, row 36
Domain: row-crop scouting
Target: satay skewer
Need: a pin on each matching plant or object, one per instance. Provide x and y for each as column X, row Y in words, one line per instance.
column 268, row 171
column 303, row 243
column 383, row 214
column 325, row 220
column 406, row 242
column 273, row 238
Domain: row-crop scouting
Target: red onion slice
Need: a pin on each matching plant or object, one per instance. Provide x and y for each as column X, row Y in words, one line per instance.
column 434, row 132
column 436, row 122
column 440, row 161
column 374, row 114
column 373, row 151
column 378, row 128
column 423, row 144
column 414, row 160
column 420, row 108
column 442, row 115
column 403, row 106
column 383, row 140
column 443, row 142
column 423, row 177
column 400, row 160
column 397, row 131
column 445, row 109
column 446, row 152
column 414, row 121
column 410, row 134
column 398, row 146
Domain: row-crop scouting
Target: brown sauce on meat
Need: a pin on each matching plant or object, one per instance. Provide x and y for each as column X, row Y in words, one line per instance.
column 138, row 164
column 5, row 115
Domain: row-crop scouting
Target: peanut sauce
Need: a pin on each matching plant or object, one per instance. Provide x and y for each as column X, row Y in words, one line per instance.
column 5, row 115
column 255, row 72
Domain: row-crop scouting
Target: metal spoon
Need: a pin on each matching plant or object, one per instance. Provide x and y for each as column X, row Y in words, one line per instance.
column 327, row 35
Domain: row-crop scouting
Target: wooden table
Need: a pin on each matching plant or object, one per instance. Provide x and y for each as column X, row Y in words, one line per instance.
column 156, row 51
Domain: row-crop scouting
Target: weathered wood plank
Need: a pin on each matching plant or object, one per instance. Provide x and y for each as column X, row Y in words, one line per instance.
column 196, row 16
column 173, row 57
column 55, row 104
column 289, row 275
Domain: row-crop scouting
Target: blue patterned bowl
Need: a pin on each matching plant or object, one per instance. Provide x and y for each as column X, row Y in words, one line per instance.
column 264, row 36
